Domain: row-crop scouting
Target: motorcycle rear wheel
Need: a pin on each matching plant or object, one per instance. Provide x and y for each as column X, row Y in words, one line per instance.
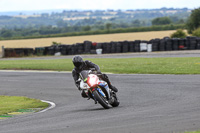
column 116, row 101
column 101, row 100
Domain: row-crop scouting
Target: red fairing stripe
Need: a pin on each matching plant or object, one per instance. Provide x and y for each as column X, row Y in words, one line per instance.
column 92, row 81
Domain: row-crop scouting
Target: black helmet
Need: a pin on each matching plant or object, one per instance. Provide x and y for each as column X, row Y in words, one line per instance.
column 77, row 61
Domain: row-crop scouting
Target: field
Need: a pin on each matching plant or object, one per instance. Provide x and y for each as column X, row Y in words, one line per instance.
column 32, row 43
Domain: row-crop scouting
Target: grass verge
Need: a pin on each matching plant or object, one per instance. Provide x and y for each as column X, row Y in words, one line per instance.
column 189, row 65
column 14, row 103
column 193, row 132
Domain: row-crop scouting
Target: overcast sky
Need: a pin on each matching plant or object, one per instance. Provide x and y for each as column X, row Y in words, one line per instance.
column 26, row 5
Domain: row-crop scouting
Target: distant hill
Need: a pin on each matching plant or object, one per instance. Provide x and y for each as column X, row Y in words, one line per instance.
column 15, row 13
column 59, row 18
column 46, row 22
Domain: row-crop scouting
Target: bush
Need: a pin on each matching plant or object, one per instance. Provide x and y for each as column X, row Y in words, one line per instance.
column 196, row 32
column 179, row 34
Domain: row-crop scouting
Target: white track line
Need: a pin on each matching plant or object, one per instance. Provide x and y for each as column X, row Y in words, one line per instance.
column 34, row 71
column 39, row 71
column 53, row 105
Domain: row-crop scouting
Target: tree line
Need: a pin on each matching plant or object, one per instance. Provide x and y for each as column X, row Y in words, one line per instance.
column 96, row 32
column 94, row 26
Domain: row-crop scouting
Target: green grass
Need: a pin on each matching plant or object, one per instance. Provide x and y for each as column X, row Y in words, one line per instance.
column 189, row 65
column 13, row 103
column 193, row 132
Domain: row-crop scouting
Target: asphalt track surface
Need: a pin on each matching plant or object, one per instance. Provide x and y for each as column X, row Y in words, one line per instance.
column 149, row 104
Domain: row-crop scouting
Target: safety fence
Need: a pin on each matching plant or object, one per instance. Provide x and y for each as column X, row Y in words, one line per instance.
column 88, row 47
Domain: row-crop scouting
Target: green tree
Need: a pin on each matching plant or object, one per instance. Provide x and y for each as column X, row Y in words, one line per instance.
column 61, row 23
column 86, row 28
column 161, row 21
column 194, row 20
column 136, row 23
column 108, row 26
column 196, row 32
column 179, row 34
column 6, row 33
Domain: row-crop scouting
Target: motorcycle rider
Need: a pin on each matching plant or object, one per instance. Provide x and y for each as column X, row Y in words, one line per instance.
column 80, row 65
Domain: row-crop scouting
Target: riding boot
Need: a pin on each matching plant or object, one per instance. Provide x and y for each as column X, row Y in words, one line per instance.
column 112, row 87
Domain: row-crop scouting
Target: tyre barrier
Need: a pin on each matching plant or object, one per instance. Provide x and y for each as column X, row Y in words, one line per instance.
column 18, row 52
column 88, row 47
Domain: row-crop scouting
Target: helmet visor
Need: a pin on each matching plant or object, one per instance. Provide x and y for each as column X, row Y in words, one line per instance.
column 77, row 64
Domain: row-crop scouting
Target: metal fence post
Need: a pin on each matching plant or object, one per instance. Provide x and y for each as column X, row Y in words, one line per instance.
column 3, row 52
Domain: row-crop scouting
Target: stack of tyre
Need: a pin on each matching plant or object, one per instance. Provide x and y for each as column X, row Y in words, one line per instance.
column 9, row 52
column 132, row 46
column 120, row 47
column 137, row 45
column 64, row 49
column 125, row 46
column 198, row 43
column 191, row 43
column 28, row 51
column 175, row 42
column 168, row 44
column 18, row 52
column 39, row 51
column 51, row 50
column 163, row 45
column 155, row 44
column 182, row 44
column 87, row 47
column 80, row 48
column 114, row 47
column 106, row 47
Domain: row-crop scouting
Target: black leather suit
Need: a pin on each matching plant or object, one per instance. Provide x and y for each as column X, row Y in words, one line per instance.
column 87, row 65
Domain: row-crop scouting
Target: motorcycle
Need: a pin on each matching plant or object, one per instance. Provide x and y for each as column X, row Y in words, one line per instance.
column 97, row 89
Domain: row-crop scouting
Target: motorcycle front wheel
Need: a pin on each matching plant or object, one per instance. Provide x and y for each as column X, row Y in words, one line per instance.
column 101, row 100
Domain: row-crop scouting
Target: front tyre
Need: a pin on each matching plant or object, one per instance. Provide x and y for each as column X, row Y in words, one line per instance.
column 101, row 99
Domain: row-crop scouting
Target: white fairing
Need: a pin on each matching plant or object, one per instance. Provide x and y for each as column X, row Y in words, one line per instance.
column 84, row 86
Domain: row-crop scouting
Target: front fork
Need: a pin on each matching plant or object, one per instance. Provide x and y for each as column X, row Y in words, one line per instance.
column 104, row 85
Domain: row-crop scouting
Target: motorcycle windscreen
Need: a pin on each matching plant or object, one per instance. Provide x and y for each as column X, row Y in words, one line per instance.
column 84, row 74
